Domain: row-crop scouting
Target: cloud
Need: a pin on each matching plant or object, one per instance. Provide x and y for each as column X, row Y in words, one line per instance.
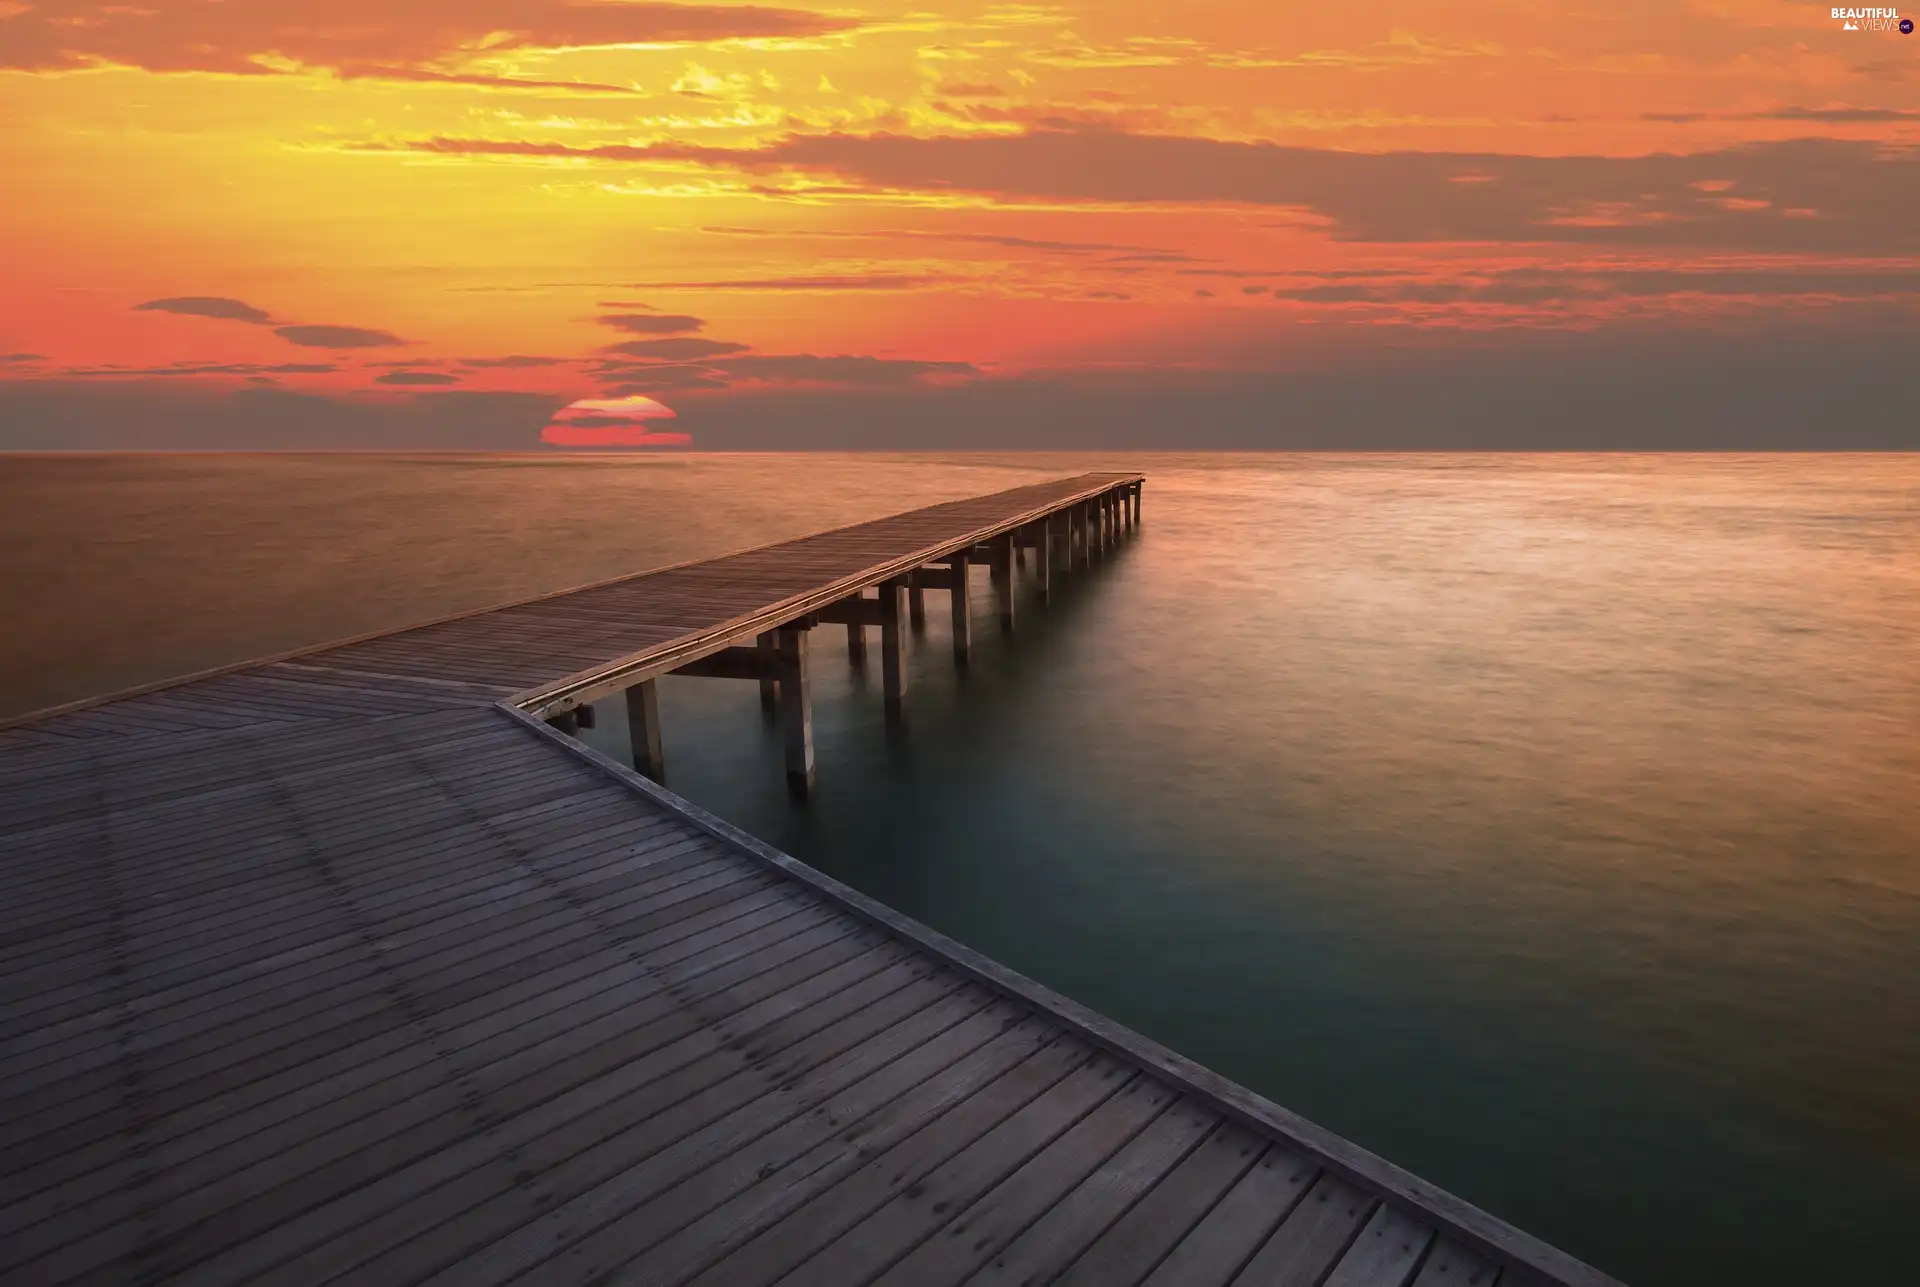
column 651, row 323
column 612, row 422
column 621, row 379
column 1803, row 194
column 806, row 368
column 1684, row 390
column 362, row 35
column 337, row 337
column 65, row 414
column 15, row 359
column 676, row 350
column 1785, row 387
column 962, row 89
column 514, row 361
column 1121, row 250
column 198, row 368
column 1827, row 115
column 416, row 377
column 360, row 71
column 821, row 282
column 1538, row 286
column 218, row 306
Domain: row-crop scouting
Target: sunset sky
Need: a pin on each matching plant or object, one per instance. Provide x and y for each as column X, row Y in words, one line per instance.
column 940, row 222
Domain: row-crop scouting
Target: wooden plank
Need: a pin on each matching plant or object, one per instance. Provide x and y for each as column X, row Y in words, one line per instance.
column 709, row 1101
column 1312, row 1237
column 1451, row 1265
column 1138, row 1240
column 255, row 1200
column 985, row 1227
column 1386, row 1253
column 1214, row 1250
column 1057, row 1238
column 857, row 1228
column 611, row 1223
column 951, row 1106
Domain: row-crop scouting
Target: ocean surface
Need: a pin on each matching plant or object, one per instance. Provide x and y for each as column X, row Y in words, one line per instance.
column 1547, row 824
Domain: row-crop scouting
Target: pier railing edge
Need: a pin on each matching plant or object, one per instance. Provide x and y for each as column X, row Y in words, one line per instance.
column 1460, row 1219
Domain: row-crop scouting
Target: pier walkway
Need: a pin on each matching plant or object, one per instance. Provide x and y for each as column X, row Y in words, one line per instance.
column 354, row 966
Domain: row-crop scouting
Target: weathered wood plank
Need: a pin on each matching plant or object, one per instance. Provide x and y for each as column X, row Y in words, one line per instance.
column 1386, row 1253
column 1312, row 1237
column 1214, row 1249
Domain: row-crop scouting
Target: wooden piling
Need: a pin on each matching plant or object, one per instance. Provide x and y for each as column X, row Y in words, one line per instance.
column 962, row 611
column 857, row 644
column 769, row 687
column 796, row 711
column 1043, row 558
column 1002, row 566
column 917, row 609
column 893, row 645
column 567, row 722
column 643, row 725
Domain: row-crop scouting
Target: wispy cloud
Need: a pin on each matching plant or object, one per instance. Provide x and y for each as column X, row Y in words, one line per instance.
column 675, row 350
column 651, row 323
column 362, row 37
column 215, row 306
column 337, row 337
column 1806, row 194
column 416, row 377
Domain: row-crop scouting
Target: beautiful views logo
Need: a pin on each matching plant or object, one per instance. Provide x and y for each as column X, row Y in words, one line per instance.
column 1873, row 20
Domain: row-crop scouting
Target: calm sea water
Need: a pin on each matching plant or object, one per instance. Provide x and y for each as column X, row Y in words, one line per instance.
column 1550, row 825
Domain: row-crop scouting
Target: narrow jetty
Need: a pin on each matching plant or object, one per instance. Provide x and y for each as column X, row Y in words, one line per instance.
column 354, row 966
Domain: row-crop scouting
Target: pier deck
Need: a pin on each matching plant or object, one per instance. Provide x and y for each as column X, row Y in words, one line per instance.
column 353, row 966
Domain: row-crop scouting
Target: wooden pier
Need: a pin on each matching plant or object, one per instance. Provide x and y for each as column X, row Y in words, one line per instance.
column 353, row 966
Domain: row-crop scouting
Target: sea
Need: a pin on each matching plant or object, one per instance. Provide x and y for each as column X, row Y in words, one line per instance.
column 1548, row 824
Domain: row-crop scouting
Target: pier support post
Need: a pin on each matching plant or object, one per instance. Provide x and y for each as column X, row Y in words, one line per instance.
column 857, row 644
column 917, row 609
column 769, row 690
column 962, row 610
column 1086, row 534
column 1043, row 557
column 567, row 722
column 796, row 711
column 1003, row 579
column 643, row 725
column 1136, row 506
column 893, row 646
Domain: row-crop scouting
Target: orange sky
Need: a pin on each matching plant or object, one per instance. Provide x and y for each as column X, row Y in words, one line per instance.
column 387, row 202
